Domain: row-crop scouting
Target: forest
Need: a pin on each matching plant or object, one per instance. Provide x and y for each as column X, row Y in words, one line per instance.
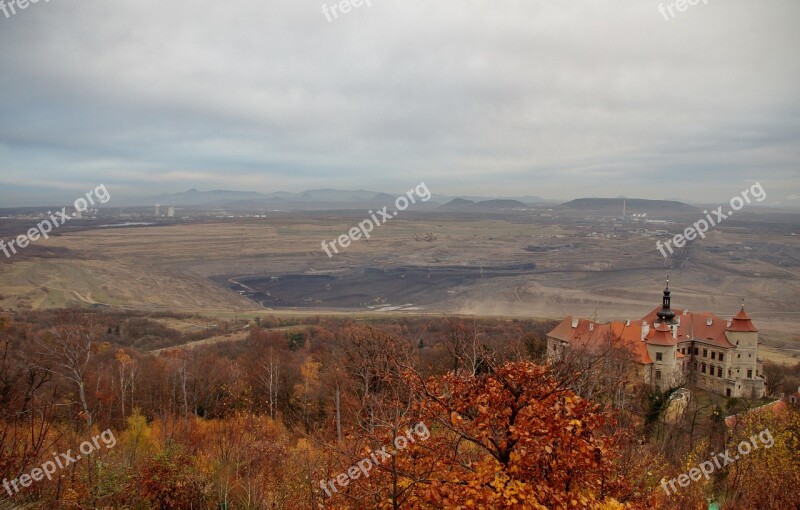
column 335, row 413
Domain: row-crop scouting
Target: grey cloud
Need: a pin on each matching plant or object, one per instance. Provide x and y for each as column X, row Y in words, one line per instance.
column 517, row 97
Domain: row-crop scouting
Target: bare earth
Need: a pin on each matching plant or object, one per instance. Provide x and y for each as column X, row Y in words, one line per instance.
column 514, row 265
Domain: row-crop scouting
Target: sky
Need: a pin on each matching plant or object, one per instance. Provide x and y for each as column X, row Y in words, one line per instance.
column 550, row 98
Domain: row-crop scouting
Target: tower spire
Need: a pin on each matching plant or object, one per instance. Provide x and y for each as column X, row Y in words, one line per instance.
column 666, row 314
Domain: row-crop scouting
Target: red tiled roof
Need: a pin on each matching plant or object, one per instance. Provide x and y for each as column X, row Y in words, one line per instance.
column 596, row 337
column 741, row 322
column 564, row 330
column 694, row 325
column 702, row 326
column 661, row 335
column 630, row 337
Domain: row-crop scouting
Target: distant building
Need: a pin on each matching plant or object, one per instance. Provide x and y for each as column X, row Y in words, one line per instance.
column 170, row 212
column 671, row 349
column 157, row 211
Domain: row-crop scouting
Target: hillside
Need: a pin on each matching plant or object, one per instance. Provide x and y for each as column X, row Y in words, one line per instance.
column 632, row 205
column 484, row 205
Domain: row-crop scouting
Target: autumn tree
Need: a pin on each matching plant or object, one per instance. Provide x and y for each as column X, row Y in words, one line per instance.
column 510, row 438
column 67, row 350
column 765, row 448
column 169, row 482
column 370, row 357
column 127, row 372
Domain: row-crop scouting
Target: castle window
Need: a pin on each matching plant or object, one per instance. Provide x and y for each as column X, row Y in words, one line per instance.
column 719, row 372
column 695, row 351
column 659, row 356
column 703, row 368
column 738, row 356
column 713, row 355
column 721, row 357
column 729, row 373
column 705, row 353
column 749, row 374
column 658, row 375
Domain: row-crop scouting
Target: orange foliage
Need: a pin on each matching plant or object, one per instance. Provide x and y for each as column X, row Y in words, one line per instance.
column 512, row 438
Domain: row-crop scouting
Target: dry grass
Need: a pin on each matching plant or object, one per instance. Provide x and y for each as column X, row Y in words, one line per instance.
column 170, row 268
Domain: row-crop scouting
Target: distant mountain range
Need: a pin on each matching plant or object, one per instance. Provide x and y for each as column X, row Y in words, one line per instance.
column 632, row 205
column 331, row 199
column 319, row 199
column 336, row 199
column 482, row 205
column 201, row 198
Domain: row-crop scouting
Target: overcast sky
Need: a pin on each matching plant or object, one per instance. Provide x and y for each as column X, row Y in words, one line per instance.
column 551, row 98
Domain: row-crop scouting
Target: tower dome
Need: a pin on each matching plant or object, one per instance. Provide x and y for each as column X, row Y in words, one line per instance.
column 666, row 314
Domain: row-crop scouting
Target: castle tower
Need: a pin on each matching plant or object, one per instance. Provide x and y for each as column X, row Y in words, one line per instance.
column 662, row 347
column 747, row 369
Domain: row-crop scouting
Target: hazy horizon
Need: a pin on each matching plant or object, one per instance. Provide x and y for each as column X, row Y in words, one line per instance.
column 65, row 197
column 528, row 98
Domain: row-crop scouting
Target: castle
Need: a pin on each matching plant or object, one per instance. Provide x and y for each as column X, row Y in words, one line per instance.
column 670, row 349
